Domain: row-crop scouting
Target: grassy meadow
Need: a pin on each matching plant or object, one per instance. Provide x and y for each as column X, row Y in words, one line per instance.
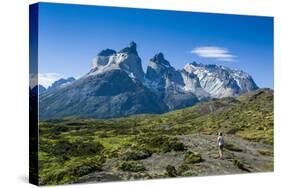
column 80, row 150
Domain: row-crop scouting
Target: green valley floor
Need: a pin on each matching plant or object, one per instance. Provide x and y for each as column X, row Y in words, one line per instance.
column 176, row 144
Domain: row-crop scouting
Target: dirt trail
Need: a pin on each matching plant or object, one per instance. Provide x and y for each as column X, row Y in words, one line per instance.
column 251, row 157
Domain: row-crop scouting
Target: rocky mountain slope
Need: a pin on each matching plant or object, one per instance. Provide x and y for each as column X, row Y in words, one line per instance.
column 117, row 86
column 220, row 81
column 112, row 88
column 60, row 83
column 168, row 83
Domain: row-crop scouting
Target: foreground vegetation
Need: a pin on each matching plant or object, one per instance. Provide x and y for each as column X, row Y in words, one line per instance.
column 72, row 148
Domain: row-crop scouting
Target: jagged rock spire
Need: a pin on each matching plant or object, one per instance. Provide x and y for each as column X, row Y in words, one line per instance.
column 160, row 60
column 107, row 52
column 131, row 48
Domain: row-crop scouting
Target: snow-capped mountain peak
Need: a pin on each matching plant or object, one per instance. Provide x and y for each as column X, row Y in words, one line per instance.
column 160, row 60
column 158, row 68
column 130, row 49
column 126, row 59
column 61, row 83
column 221, row 81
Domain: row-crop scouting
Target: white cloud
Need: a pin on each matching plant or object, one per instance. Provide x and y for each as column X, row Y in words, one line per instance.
column 214, row 52
column 46, row 79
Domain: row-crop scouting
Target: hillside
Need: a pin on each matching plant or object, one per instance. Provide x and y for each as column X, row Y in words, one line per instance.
column 178, row 143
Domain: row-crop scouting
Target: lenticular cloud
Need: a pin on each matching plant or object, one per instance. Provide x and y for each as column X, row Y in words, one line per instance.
column 215, row 52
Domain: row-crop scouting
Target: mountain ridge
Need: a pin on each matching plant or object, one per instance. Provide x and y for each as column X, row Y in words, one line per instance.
column 169, row 88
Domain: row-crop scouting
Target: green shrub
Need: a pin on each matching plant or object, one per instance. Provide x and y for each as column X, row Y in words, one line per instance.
column 171, row 171
column 172, row 144
column 175, row 145
column 192, row 157
column 88, row 148
column 78, row 148
column 131, row 166
column 152, row 143
column 183, row 168
column 83, row 169
column 134, row 155
column 71, row 170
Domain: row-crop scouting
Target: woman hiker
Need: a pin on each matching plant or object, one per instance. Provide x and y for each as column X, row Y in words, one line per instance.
column 220, row 142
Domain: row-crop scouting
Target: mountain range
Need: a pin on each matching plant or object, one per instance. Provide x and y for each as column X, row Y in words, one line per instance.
column 117, row 86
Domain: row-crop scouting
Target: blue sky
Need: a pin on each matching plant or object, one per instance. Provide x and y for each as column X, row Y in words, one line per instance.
column 70, row 36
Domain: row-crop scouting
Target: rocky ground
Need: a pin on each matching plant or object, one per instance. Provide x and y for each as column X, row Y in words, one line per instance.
column 240, row 156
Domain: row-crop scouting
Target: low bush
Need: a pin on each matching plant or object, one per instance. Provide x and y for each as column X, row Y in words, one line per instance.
column 131, row 166
column 192, row 157
column 183, row 168
column 78, row 148
column 152, row 143
column 171, row 171
column 134, row 155
column 173, row 145
column 72, row 170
